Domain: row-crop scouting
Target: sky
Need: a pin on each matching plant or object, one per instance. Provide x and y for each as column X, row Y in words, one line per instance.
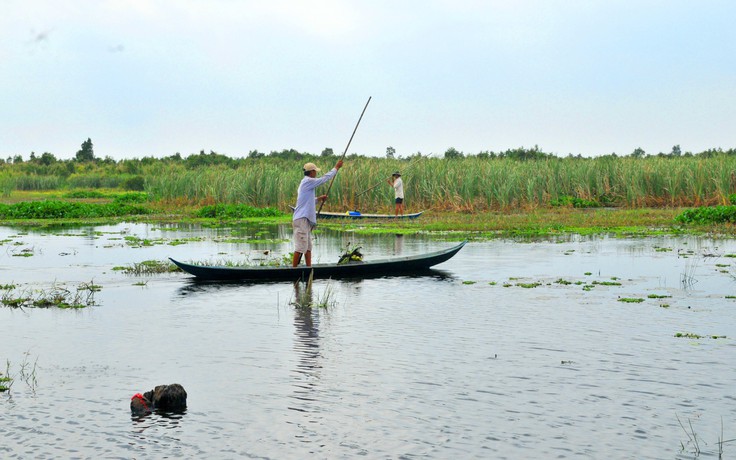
column 159, row 77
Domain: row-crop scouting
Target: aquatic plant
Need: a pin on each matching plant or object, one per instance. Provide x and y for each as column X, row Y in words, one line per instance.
column 708, row 215
column 236, row 211
column 27, row 373
column 52, row 209
column 690, row 335
column 57, row 296
column 304, row 297
column 630, row 299
column 607, row 283
column 350, row 256
column 6, row 381
column 528, row 285
column 148, row 267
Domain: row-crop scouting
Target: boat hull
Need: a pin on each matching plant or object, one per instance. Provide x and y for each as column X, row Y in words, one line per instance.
column 408, row 265
column 353, row 215
column 360, row 215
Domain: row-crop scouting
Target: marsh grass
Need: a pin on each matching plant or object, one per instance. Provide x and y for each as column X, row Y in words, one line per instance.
column 6, row 381
column 468, row 184
column 631, row 299
column 148, row 267
column 55, row 209
column 305, row 297
column 529, row 285
column 27, row 374
column 57, row 296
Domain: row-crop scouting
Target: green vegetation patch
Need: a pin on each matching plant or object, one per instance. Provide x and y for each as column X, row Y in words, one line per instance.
column 631, row 300
column 148, row 267
column 236, row 211
column 658, row 296
column 528, row 285
column 575, row 202
column 708, row 215
column 57, row 296
column 690, row 335
column 607, row 283
column 52, row 209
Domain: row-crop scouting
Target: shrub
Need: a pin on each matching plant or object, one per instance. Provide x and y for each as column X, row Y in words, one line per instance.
column 708, row 215
column 236, row 211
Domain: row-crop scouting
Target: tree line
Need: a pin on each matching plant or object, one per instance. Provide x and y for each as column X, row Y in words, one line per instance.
column 86, row 154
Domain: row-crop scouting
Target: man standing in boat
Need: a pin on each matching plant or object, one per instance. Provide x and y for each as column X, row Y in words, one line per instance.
column 305, row 212
column 398, row 186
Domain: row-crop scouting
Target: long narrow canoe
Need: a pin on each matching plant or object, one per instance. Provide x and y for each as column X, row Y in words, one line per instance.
column 360, row 215
column 407, row 265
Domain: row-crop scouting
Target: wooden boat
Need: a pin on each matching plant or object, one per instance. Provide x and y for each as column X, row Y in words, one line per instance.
column 407, row 265
column 360, row 215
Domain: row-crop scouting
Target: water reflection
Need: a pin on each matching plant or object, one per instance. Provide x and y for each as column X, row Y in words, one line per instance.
column 306, row 346
column 398, row 244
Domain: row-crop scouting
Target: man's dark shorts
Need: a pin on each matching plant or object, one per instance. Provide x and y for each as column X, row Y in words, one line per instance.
column 399, row 200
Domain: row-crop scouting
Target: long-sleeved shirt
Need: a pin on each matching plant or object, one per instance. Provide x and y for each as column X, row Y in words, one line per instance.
column 306, row 200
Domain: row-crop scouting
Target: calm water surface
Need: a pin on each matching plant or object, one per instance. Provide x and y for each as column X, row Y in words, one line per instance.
column 503, row 353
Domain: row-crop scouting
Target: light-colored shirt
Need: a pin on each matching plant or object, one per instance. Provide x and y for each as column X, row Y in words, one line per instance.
column 306, row 200
column 398, row 188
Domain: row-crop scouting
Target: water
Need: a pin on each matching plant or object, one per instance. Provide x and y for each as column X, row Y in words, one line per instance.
column 432, row 367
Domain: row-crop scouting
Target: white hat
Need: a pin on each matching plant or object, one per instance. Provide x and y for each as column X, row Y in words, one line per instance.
column 310, row 167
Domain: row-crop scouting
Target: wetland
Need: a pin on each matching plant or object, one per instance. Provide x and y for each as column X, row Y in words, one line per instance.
column 612, row 344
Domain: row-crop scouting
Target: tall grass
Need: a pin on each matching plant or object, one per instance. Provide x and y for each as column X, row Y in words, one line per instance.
column 461, row 184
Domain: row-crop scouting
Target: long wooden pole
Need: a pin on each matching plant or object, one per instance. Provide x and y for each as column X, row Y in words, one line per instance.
column 346, row 151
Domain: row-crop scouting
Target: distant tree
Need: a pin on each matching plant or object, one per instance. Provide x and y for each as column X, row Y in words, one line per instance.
column 86, row 153
column 47, row 158
column 287, row 154
column 452, row 153
column 256, row 154
column 32, row 159
column 390, row 152
column 327, row 152
column 208, row 159
column 17, row 159
column 638, row 153
column 676, row 152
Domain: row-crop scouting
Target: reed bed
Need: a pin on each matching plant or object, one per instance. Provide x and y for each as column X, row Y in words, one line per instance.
column 467, row 184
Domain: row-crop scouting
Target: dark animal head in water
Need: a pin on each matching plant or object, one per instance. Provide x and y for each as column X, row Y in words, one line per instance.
column 167, row 398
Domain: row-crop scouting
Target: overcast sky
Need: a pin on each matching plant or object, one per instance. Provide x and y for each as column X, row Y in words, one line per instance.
column 152, row 78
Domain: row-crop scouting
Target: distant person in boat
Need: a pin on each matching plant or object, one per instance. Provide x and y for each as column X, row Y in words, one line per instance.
column 305, row 212
column 398, row 186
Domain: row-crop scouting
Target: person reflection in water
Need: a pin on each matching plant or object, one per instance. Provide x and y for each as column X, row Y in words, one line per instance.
column 399, row 244
column 306, row 347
